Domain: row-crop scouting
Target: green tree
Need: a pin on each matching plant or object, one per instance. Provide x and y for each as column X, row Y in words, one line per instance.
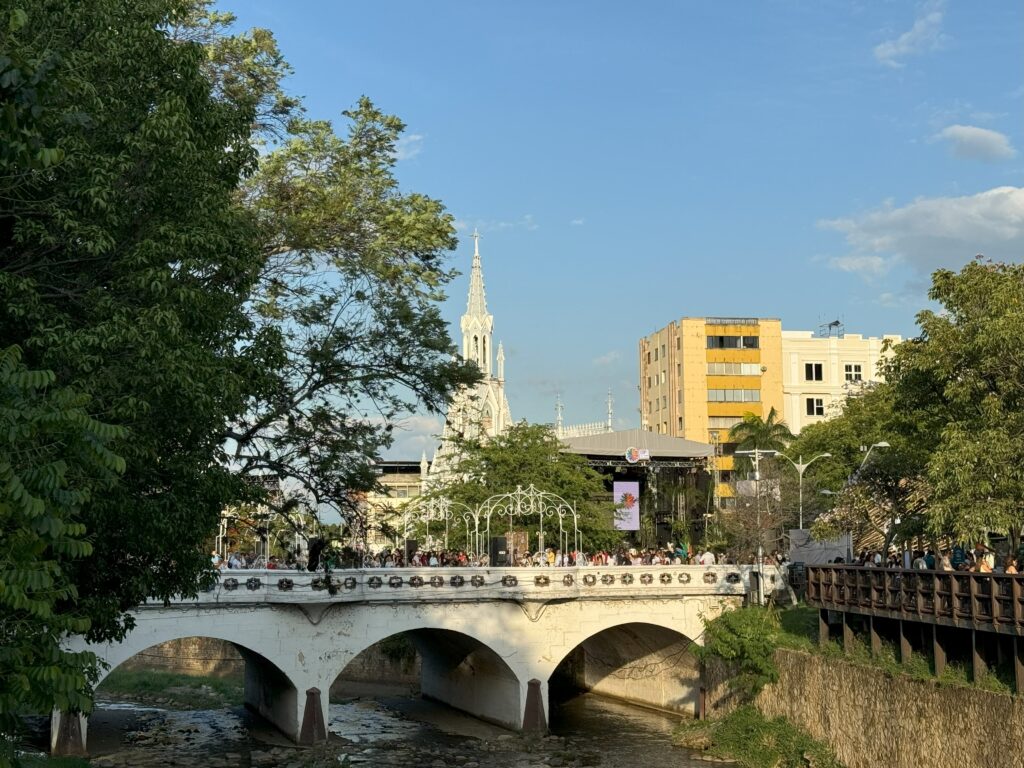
column 346, row 335
column 125, row 266
column 53, row 457
column 770, row 433
column 531, row 454
column 881, row 494
column 966, row 373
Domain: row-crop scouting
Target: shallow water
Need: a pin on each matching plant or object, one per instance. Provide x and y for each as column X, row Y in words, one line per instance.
column 384, row 731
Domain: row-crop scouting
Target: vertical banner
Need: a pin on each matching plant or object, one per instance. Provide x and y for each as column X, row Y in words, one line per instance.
column 626, row 496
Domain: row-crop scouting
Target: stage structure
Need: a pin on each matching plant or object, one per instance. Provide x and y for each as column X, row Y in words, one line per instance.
column 675, row 483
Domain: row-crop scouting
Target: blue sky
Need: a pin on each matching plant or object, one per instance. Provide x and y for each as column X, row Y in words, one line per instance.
column 628, row 164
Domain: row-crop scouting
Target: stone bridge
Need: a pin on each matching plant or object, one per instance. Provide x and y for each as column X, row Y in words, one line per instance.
column 489, row 638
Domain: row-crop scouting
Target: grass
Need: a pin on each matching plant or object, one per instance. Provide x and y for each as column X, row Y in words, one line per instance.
column 749, row 738
column 178, row 690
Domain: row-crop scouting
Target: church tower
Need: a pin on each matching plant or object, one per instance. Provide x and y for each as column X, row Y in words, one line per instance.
column 477, row 323
column 482, row 410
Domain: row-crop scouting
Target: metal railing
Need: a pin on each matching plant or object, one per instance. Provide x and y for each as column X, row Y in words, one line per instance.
column 990, row 602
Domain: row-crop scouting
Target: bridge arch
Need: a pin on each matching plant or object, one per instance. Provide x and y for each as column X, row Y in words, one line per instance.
column 277, row 685
column 649, row 662
column 465, row 671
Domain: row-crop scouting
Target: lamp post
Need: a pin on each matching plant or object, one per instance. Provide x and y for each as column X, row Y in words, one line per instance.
column 757, row 453
column 800, row 467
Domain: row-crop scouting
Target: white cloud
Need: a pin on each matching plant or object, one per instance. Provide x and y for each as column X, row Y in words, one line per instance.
column 607, row 358
column 924, row 35
column 578, row 222
column 974, row 143
column 407, row 147
column 415, row 434
column 526, row 221
column 869, row 266
column 934, row 232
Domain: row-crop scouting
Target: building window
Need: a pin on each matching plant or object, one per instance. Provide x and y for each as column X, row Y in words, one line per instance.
column 734, row 395
column 679, row 396
column 679, row 423
column 657, row 404
column 733, row 342
column 655, row 354
column 815, row 406
column 733, row 369
column 679, row 369
column 402, row 492
column 662, row 377
column 648, row 382
column 853, row 372
column 679, row 343
column 664, row 401
column 723, row 422
column 663, row 350
column 664, row 427
column 648, row 357
column 814, row 372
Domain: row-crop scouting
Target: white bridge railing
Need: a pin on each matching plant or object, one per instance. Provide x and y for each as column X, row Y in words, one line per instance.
column 475, row 584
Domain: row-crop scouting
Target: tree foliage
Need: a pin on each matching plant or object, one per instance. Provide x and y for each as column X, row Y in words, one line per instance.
column 770, row 433
column 967, row 368
column 951, row 409
column 53, row 458
column 229, row 312
column 346, row 334
column 124, row 269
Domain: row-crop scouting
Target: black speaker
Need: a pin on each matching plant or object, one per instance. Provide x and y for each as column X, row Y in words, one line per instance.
column 499, row 551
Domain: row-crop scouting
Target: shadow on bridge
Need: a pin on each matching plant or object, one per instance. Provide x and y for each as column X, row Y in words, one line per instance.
column 641, row 663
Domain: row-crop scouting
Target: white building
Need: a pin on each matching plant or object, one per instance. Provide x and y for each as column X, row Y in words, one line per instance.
column 484, row 408
column 818, row 372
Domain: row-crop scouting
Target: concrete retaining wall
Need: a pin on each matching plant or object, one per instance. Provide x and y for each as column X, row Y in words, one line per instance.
column 201, row 656
column 871, row 719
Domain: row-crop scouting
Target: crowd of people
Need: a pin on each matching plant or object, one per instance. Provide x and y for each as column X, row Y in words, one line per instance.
column 979, row 560
column 459, row 558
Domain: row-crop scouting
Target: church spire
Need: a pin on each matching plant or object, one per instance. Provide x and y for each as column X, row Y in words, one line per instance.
column 477, row 306
column 477, row 323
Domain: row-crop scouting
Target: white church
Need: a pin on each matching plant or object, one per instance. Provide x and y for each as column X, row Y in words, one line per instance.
column 481, row 410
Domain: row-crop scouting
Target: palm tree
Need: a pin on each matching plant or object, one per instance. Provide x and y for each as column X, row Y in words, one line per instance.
column 768, row 434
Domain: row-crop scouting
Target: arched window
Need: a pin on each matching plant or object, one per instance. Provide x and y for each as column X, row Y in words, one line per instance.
column 476, row 348
column 485, row 360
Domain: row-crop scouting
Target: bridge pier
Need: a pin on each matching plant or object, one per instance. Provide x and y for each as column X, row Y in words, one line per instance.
column 68, row 731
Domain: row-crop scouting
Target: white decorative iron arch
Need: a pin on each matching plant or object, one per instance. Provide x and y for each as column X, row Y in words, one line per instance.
column 439, row 509
column 529, row 502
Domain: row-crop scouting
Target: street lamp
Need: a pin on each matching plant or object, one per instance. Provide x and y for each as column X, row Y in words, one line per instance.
column 757, row 453
column 800, row 467
column 880, row 444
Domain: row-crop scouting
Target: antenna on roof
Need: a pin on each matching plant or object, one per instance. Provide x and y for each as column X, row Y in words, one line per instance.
column 833, row 329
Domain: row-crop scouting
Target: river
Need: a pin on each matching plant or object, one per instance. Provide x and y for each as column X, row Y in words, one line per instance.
column 384, row 728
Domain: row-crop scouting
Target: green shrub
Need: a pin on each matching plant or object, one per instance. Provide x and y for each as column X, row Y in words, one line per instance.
column 746, row 639
column 753, row 741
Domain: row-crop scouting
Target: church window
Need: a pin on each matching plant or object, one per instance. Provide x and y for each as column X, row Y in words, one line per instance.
column 476, row 348
column 485, row 349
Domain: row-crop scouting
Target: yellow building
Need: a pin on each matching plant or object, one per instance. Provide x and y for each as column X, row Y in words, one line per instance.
column 699, row 376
